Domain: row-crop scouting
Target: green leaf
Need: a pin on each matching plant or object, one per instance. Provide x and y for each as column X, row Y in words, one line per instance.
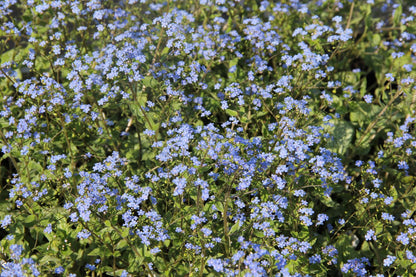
column 47, row 259
column 166, row 243
column 343, row 134
column 109, row 271
column 327, row 201
column 219, row 206
column 101, row 251
column 232, row 76
column 409, row 180
column 150, row 82
column 363, row 113
column 29, row 220
column 376, row 39
column 121, row 245
column 165, row 51
column 235, row 227
column 397, row 15
column 231, row 112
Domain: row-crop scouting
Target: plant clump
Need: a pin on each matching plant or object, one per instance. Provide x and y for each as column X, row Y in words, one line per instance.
column 207, row 138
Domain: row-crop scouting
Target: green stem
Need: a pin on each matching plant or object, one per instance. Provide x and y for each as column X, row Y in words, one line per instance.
column 3, row 138
column 374, row 122
column 225, row 217
column 132, row 247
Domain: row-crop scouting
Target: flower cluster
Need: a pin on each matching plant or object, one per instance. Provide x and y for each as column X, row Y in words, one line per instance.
column 207, row 137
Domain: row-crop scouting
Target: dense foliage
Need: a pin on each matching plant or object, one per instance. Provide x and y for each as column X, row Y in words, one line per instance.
column 207, row 138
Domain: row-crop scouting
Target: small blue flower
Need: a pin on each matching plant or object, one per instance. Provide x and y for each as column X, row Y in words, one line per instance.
column 217, row 264
column 389, row 260
column 315, row 259
column 387, row 216
column 388, row 200
column 403, row 165
column 90, row 267
column 6, row 221
column 48, row 229
column 368, row 98
column 403, row 238
column 149, row 132
column 389, row 77
column 370, row 235
column 59, row 270
column 84, row 234
column 321, row 219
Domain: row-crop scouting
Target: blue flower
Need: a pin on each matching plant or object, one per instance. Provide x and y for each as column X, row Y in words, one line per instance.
column 6, row 221
column 315, row 259
column 180, row 186
column 217, row 264
column 368, row 98
column 370, row 235
column 357, row 266
column 321, row 219
column 388, row 200
column 403, row 238
column 16, row 251
column 149, row 132
column 84, row 234
column 155, row 250
column 90, row 267
column 387, row 216
column 59, row 270
column 403, row 165
column 389, row 260
column 48, row 229
column 389, row 77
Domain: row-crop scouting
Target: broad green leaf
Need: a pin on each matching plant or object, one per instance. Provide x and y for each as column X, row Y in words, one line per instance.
column 235, row 228
column 397, row 15
column 231, row 112
column 343, row 134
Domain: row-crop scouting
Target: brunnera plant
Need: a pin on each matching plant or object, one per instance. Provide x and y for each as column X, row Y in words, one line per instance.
column 207, row 138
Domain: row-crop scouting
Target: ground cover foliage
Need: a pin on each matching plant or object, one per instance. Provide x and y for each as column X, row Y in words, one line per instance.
column 207, row 138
